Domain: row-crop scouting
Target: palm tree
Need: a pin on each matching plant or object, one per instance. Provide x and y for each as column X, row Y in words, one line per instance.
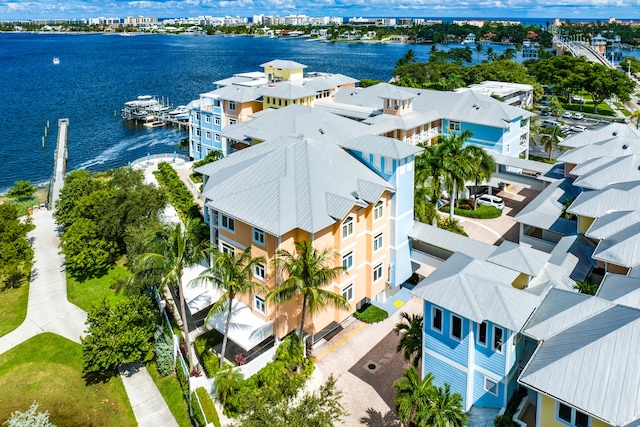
column 410, row 331
column 445, row 409
column 491, row 54
column 458, row 162
column 550, row 138
column 231, row 274
column 479, row 51
column 636, row 115
column 413, row 396
column 408, row 58
column 429, row 177
column 508, row 54
column 308, row 271
column 170, row 250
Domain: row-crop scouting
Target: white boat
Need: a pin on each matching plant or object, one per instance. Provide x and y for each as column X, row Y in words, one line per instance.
column 143, row 106
column 179, row 111
column 154, row 124
column 56, row 60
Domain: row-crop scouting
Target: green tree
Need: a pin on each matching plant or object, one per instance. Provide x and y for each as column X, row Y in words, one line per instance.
column 21, row 190
column 478, row 51
column 29, row 418
column 408, row 58
column 320, row 409
column 550, row 138
column 232, row 274
column 636, row 116
column 228, row 382
column 459, row 163
column 86, row 253
column 413, row 395
column 117, row 334
column 410, row 331
column 586, row 287
column 170, row 250
column 602, row 83
column 308, row 271
column 16, row 253
column 445, row 410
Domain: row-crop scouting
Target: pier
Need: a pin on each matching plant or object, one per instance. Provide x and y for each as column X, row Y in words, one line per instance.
column 60, row 163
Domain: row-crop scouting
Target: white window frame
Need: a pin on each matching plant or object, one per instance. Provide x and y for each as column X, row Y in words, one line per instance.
column 347, row 292
column 232, row 121
column 207, row 118
column 216, row 121
column 571, row 423
column 198, row 147
column 435, row 309
column 377, row 272
column 232, row 105
column 230, row 223
column 197, row 116
column 259, row 272
column 347, row 261
column 493, row 339
column 226, row 248
column 454, row 126
column 377, row 242
column 486, row 334
column 208, row 135
column 260, row 236
column 348, row 227
column 198, row 133
column 217, row 137
column 259, row 304
column 495, row 383
column 453, row 337
column 378, row 210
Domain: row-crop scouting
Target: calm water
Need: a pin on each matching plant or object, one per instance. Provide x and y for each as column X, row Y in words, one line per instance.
column 98, row 73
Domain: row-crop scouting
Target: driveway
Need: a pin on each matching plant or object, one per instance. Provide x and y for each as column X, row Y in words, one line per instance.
column 363, row 359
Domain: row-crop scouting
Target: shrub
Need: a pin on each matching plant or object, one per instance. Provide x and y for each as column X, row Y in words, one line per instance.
column 165, row 362
column 370, row 314
column 240, row 359
column 209, row 360
column 465, row 208
column 182, row 379
column 196, row 371
column 30, row 418
column 504, row 420
column 453, row 226
column 208, row 409
column 228, row 383
column 177, row 192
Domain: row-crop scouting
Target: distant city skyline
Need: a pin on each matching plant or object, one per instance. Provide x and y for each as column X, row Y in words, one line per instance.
column 565, row 9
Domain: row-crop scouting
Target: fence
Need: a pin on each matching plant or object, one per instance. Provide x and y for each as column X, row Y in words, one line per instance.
column 169, row 157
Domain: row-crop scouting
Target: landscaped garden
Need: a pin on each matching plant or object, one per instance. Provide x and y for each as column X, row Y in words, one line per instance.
column 48, row 369
column 465, row 208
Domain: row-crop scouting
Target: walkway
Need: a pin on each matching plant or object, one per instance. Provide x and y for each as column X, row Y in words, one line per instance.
column 60, row 167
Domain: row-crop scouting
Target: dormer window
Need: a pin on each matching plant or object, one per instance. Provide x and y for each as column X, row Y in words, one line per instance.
column 347, row 227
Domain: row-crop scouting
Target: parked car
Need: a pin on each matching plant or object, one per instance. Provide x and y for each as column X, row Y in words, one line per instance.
column 545, row 103
column 578, row 128
column 578, row 116
column 544, row 113
column 567, row 115
column 489, row 200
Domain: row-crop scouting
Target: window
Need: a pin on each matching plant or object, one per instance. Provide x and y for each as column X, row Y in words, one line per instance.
column 347, row 261
column 259, row 305
column 232, row 121
column 377, row 242
column 198, row 132
column 347, row 292
column 377, row 272
column 232, row 105
column 436, row 319
column 197, row 116
column 491, row 386
column 454, row 126
column 217, row 137
column 228, row 222
column 497, row 338
column 258, row 236
column 226, row 249
column 456, row 327
column 208, row 135
column 198, row 148
column 378, row 210
column 258, row 271
column 482, row 333
column 347, row 227
column 216, row 121
column 216, row 103
column 572, row 416
column 207, row 119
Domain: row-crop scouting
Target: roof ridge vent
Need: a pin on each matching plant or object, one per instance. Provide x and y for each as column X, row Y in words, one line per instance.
column 615, row 134
column 356, row 195
column 625, row 146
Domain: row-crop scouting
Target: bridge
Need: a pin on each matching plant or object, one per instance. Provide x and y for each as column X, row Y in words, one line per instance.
column 60, row 163
column 582, row 49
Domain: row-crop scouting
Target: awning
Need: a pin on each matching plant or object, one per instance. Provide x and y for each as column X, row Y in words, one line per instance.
column 246, row 329
column 197, row 297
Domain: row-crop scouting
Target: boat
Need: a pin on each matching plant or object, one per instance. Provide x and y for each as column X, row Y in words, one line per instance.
column 56, row 60
column 179, row 111
column 154, row 124
column 142, row 107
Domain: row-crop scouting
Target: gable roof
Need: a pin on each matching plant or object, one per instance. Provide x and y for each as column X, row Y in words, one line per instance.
column 612, row 147
column 546, row 209
column 623, row 290
column 382, row 146
column 617, row 197
column 592, row 136
column 283, row 64
column 479, row 291
column 611, row 223
column 592, row 366
column 519, row 257
column 287, row 90
column 621, row 248
column 289, row 183
column 608, row 171
column 450, row 241
column 235, row 93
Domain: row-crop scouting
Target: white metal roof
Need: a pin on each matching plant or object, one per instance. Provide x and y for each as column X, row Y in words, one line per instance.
column 623, row 290
column 611, row 223
column 604, row 133
column 450, row 241
column 381, row 145
column 621, row 248
column 286, row 90
column 519, row 257
column 613, row 171
column 283, row 64
column 613, row 147
column 546, row 209
column 245, row 329
column 479, row 291
column 517, row 162
column 616, row 197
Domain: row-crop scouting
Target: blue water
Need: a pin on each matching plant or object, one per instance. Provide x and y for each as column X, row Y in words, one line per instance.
column 98, row 73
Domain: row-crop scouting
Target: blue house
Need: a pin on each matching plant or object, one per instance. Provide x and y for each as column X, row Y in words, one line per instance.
column 472, row 319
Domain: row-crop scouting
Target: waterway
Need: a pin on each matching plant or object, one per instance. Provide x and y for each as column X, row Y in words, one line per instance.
column 98, row 73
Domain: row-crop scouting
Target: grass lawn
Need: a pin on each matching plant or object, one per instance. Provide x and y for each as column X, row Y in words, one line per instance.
column 172, row 394
column 603, row 109
column 48, row 369
column 13, row 308
column 91, row 292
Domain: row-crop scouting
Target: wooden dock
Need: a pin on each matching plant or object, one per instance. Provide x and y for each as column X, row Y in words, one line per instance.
column 173, row 122
column 60, row 163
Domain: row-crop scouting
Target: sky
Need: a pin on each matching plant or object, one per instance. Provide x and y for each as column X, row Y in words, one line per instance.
column 566, row 9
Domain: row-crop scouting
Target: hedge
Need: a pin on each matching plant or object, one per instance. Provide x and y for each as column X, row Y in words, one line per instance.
column 210, row 361
column 481, row 212
column 177, row 192
column 370, row 314
column 210, row 413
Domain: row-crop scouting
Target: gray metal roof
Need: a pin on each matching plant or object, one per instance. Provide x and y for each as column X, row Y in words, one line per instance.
column 387, row 91
column 621, row 248
column 324, row 81
column 611, row 223
column 620, row 289
column 613, row 147
column 290, row 183
column 346, row 110
column 517, row 162
column 546, row 209
column 604, row 133
column 478, row 290
column 609, row 171
column 592, row 366
column 450, row 241
column 283, row 64
column 616, row 197
column 387, row 122
column 236, row 93
column 287, row 90
column 381, row 145
column 296, row 120
column 519, row 257
column 561, row 309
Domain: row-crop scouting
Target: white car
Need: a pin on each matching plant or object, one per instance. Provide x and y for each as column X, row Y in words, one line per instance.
column 567, row 115
column 578, row 128
column 489, row 200
column 578, row 116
